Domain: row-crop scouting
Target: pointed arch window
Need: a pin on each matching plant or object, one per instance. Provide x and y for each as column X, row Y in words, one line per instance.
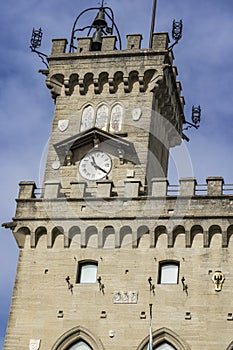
column 80, row 345
column 165, row 346
column 102, row 116
column 116, row 118
column 88, row 116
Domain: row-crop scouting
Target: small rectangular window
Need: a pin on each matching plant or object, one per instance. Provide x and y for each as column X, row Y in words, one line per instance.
column 87, row 272
column 168, row 272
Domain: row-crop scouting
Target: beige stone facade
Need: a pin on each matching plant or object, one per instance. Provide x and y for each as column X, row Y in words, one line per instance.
column 129, row 223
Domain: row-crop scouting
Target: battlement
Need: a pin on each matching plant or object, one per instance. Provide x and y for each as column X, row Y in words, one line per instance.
column 196, row 210
column 160, row 42
column 85, row 68
column 187, row 188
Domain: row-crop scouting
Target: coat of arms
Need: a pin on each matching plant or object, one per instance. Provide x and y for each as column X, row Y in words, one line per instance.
column 136, row 114
column 63, row 124
column 34, row 344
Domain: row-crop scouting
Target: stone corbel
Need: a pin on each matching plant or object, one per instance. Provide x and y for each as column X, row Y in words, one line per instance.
column 141, row 84
column 67, row 86
column 155, row 82
column 81, row 87
column 126, row 84
column 55, row 86
column 112, row 88
column 96, row 85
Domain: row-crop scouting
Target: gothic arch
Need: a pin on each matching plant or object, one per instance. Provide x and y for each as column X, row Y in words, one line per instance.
column 230, row 347
column 74, row 335
column 165, row 335
column 102, row 116
column 116, row 117
column 88, row 117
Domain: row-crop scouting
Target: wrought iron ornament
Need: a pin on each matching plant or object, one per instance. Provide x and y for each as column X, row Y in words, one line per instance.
column 177, row 32
column 36, row 40
column 196, row 118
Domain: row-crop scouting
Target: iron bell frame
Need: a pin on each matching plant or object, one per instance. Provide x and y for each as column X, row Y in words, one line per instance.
column 106, row 30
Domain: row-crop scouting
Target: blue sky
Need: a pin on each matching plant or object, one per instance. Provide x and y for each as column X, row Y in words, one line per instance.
column 204, row 61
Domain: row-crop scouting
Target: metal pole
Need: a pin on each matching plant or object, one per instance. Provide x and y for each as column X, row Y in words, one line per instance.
column 151, row 334
column 153, row 23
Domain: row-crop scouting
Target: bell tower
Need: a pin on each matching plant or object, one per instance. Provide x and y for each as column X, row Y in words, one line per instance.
column 125, row 103
column 109, row 259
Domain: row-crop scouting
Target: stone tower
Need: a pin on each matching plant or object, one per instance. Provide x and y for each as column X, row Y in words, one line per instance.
column 107, row 252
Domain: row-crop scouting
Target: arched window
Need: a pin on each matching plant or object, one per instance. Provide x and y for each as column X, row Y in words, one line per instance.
column 88, row 116
column 165, row 346
column 168, row 272
column 81, row 345
column 102, row 118
column 116, row 118
column 87, row 272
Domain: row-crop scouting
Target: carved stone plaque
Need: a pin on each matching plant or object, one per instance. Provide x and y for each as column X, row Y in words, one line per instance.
column 63, row 124
column 34, row 344
column 56, row 165
column 125, row 297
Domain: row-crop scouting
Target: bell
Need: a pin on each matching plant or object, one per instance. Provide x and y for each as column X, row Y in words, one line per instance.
column 96, row 41
column 100, row 20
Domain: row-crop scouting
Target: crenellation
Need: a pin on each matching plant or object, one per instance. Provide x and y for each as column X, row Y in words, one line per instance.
column 27, row 189
column 134, row 41
column 84, row 44
column 78, row 189
column 52, row 189
column 187, row 187
column 160, row 41
column 109, row 43
column 160, row 187
column 215, row 185
column 58, row 46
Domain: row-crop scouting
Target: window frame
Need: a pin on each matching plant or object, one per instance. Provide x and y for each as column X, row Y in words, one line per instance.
column 80, row 341
column 164, row 263
column 165, row 343
column 83, row 263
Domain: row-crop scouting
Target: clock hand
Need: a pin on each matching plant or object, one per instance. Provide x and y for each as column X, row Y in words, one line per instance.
column 104, row 171
column 96, row 166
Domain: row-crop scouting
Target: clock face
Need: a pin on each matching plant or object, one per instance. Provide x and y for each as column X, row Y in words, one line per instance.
column 95, row 165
